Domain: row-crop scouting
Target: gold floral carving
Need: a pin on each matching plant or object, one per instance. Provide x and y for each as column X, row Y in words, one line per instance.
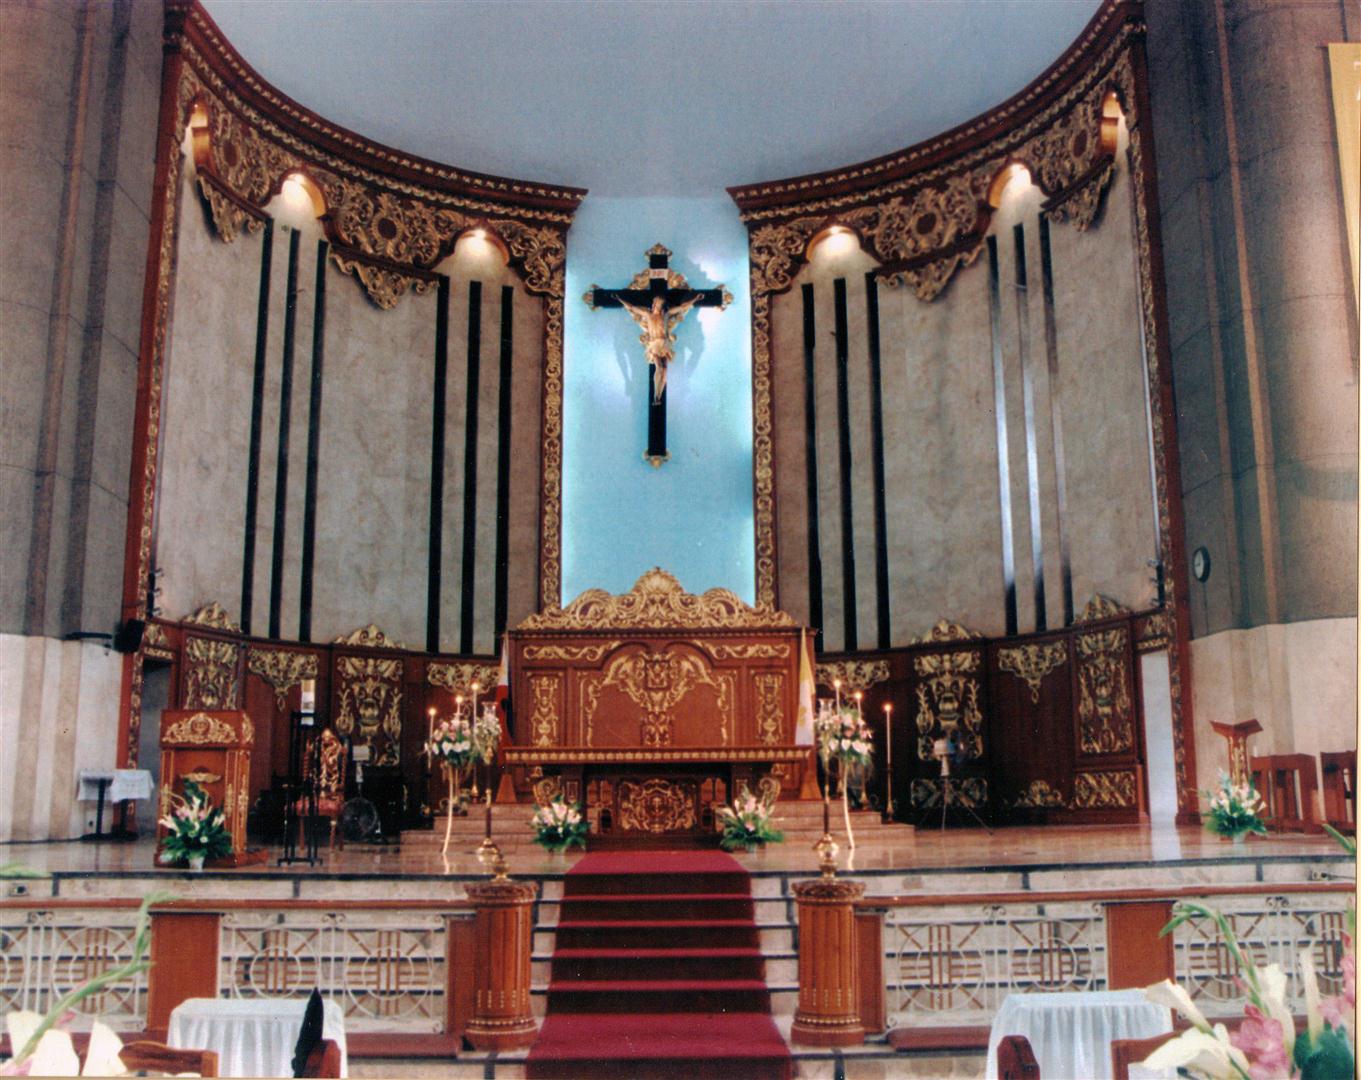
column 590, row 654
column 155, row 643
column 1105, row 712
column 947, row 702
column 1040, row 796
column 368, row 637
column 769, row 687
column 1101, row 607
column 457, row 677
column 1033, row 662
column 550, row 454
column 201, row 776
column 657, row 682
column 1105, row 791
column 1153, row 632
column 211, row 679
column 854, row 674
column 204, row 730
column 946, row 631
column 657, row 602
column 763, row 453
column 543, row 720
column 656, row 805
column 971, row 791
column 760, row 650
column 282, row 669
column 371, row 704
column 213, row 616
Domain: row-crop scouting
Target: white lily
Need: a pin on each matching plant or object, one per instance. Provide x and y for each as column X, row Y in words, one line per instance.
column 1174, row 997
column 101, row 1058
column 1311, row 996
column 1273, row 983
column 1206, row 1053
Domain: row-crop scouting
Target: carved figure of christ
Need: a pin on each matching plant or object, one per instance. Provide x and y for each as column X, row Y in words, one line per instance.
column 657, row 299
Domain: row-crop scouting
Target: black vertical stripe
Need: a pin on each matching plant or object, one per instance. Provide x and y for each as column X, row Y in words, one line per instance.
column 1051, row 348
column 999, row 405
column 309, row 500
column 843, row 418
column 465, row 636
column 276, row 577
column 257, row 404
column 810, row 418
column 1032, row 456
column 881, row 578
column 437, row 422
column 503, row 414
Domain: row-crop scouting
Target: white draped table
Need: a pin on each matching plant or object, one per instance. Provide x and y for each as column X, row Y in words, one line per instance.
column 1071, row 1034
column 252, row 1038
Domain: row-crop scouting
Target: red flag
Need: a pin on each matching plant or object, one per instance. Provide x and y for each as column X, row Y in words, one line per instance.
column 502, row 697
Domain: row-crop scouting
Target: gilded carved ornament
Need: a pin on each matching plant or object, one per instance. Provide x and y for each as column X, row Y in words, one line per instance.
column 854, row 674
column 369, row 637
column 769, row 687
column 1101, row 607
column 1105, row 710
column 657, row 602
column 657, row 805
column 1105, row 791
column 590, row 654
column 947, row 702
column 1033, row 662
column 458, row 677
column 213, row 615
column 282, row 669
column 656, row 682
column 1041, row 796
column 210, row 681
column 946, row 631
column 371, row 704
column 204, row 730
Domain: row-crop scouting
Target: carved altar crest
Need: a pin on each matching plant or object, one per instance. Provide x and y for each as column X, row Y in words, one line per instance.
column 657, row 602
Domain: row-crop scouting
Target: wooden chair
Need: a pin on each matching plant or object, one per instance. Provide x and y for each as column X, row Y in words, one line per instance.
column 1127, row 1052
column 1016, row 1060
column 329, row 765
column 1287, row 784
column 1339, row 790
column 156, row 1059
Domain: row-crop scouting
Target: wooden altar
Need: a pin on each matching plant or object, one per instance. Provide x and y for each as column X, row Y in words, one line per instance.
column 655, row 707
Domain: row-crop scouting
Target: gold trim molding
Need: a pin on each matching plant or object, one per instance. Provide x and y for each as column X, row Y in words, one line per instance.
column 369, row 637
column 854, row 674
column 1033, row 662
column 657, row 602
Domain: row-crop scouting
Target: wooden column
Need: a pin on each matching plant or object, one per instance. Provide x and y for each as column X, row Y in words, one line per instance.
column 1237, row 736
column 504, row 932
column 829, row 1010
column 869, row 973
column 1135, row 955
column 184, row 962
column 460, row 972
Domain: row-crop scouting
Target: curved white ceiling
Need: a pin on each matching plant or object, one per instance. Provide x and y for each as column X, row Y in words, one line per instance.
column 650, row 97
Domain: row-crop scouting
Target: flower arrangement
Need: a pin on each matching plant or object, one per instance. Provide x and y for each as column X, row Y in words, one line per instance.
column 1235, row 810
column 197, row 831
column 40, row 1045
column 1266, row 1045
column 559, row 824
column 843, row 734
column 486, row 735
column 452, row 742
column 747, row 824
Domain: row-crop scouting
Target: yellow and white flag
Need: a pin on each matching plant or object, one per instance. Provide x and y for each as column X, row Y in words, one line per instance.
column 803, row 727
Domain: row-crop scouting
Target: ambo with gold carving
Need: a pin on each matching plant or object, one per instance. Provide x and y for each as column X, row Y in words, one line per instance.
column 501, row 1018
column 828, row 1012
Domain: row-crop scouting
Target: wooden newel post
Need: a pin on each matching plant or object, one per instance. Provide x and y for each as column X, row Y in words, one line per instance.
column 829, row 1007
column 501, row 1018
column 1240, row 765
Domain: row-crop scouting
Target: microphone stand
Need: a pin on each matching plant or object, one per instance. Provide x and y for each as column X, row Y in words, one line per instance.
column 302, row 784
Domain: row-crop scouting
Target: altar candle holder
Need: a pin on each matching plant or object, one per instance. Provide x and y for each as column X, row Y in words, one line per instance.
column 888, row 755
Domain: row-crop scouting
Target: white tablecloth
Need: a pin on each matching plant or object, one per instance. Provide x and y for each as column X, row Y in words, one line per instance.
column 252, row 1038
column 1071, row 1033
column 124, row 784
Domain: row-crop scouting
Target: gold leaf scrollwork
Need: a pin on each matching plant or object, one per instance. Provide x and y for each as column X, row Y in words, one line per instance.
column 543, row 720
column 769, row 688
column 211, row 679
column 657, row 681
column 282, row 669
column 1101, row 607
column 1040, row 796
column 946, row 631
column 971, row 791
column 590, row 654
column 657, row 602
column 854, row 674
column 214, row 616
column 458, row 677
column 657, row 805
column 761, row 650
column 204, row 730
column 369, row 637
column 947, row 702
column 1105, row 712
column 371, row 704
column 1105, row 791
column 1033, row 662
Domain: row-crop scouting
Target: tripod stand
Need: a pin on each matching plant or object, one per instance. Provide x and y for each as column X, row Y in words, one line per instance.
column 300, row 803
column 948, row 794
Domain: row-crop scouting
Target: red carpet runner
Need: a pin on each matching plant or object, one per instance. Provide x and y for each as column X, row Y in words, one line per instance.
column 657, row 972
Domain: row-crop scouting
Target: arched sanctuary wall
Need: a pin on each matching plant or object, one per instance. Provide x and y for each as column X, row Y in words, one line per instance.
column 962, row 400
column 350, row 404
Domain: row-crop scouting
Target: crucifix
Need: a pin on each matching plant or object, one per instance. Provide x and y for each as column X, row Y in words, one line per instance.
column 658, row 299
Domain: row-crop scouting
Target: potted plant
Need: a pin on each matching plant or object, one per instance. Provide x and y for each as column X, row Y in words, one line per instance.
column 1235, row 811
column 746, row 824
column 197, row 831
column 559, row 824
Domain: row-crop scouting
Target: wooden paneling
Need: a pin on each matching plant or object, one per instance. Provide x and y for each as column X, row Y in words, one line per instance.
column 869, row 959
column 183, row 962
column 1135, row 955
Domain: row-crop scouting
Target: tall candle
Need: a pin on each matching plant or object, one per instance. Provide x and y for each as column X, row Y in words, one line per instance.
column 475, row 688
column 430, row 730
column 858, row 696
column 836, row 685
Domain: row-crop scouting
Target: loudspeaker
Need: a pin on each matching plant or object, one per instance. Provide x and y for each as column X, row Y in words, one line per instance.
column 128, row 637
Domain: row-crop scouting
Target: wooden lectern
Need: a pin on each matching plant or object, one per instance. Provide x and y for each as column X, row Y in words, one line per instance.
column 1240, row 771
column 213, row 750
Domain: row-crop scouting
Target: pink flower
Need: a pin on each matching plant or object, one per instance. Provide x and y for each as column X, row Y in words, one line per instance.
column 1262, row 1039
column 1349, row 972
column 1338, row 1011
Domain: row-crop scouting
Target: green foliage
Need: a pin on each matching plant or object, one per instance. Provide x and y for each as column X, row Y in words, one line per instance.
column 195, row 828
column 1234, row 810
column 1328, row 1056
column 747, row 823
column 558, row 825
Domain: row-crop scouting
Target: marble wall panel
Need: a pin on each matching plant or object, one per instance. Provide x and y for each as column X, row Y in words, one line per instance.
column 1101, row 384
column 522, row 593
column 455, row 412
column 790, row 448
column 206, row 416
column 821, row 274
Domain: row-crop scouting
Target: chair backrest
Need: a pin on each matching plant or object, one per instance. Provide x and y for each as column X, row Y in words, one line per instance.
column 157, row 1058
column 331, row 771
column 1016, row 1060
column 1287, row 783
column 1126, row 1052
column 1339, row 789
column 323, row 1060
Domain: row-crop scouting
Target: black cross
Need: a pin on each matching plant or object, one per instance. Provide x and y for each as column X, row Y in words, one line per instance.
column 658, row 280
